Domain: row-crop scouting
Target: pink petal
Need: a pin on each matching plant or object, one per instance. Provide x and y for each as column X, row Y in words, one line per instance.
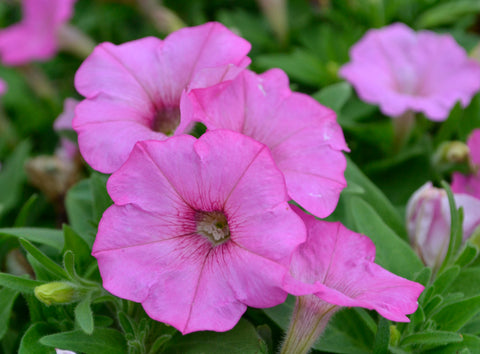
column 37, row 32
column 401, row 70
column 303, row 136
column 150, row 249
column 336, row 265
column 64, row 120
column 143, row 80
column 3, row 87
column 474, row 146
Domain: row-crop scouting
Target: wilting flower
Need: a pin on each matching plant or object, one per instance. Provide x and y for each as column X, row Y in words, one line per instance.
column 428, row 222
column 303, row 136
column 35, row 37
column 133, row 90
column 334, row 268
column 402, row 70
column 470, row 184
column 200, row 230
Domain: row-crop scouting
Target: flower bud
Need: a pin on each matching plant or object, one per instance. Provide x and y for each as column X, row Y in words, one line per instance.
column 452, row 152
column 428, row 222
column 57, row 292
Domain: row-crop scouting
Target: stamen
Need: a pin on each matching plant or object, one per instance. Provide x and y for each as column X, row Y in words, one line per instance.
column 213, row 225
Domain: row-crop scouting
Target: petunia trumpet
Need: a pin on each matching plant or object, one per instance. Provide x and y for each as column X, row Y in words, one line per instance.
column 199, row 230
column 304, row 138
column 335, row 268
column 402, row 70
column 133, row 90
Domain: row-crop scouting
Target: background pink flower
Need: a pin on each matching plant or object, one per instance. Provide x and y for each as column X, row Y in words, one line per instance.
column 3, row 87
column 428, row 222
column 305, row 140
column 470, row 184
column 337, row 266
column 133, row 90
column 35, row 36
column 402, row 70
column 65, row 119
column 200, row 229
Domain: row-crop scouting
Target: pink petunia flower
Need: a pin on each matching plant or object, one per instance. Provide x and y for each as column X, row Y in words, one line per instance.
column 428, row 222
column 333, row 268
column 303, row 136
column 35, row 37
column 133, row 90
column 470, row 184
column 200, row 230
column 401, row 70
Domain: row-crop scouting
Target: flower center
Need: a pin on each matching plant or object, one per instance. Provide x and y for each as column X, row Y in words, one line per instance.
column 166, row 120
column 213, row 225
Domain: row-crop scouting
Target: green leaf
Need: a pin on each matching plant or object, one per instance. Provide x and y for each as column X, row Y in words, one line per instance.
column 102, row 340
column 49, row 237
column 46, row 262
column 392, row 252
column 12, row 177
column 84, row 315
column 242, row 339
column 101, row 199
column 445, row 279
column 75, row 244
column 334, row 96
column 69, row 264
column 456, row 219
column 468, row 282
column 300, row 65
column 373, row 196
column 437, row 338
column 448, row 13
column 7, row 298
column 382, row 338
column 468, row 255
column 22, row 216
column 471, row 343
column 79, row 205
column 454, row 316
column 18, row 283
column 30, row 340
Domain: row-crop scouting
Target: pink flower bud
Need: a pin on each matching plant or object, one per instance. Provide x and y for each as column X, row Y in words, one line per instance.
column 428, row 222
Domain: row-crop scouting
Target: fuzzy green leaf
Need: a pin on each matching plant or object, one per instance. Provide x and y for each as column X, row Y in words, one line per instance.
column 102, row 340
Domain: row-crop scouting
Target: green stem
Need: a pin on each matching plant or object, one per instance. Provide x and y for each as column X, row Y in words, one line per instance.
column 402, row 127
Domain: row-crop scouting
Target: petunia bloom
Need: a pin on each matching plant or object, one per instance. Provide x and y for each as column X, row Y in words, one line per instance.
column 402, row 70
column 428, row 222
column 470, row 184
column 133, row 90
column 303, row 136
column 200, row 230
column 35, row 37
column 334, row 268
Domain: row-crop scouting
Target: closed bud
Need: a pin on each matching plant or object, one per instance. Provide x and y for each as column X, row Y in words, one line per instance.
column 428, row 222
column 452, row 152
column 57, row 292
